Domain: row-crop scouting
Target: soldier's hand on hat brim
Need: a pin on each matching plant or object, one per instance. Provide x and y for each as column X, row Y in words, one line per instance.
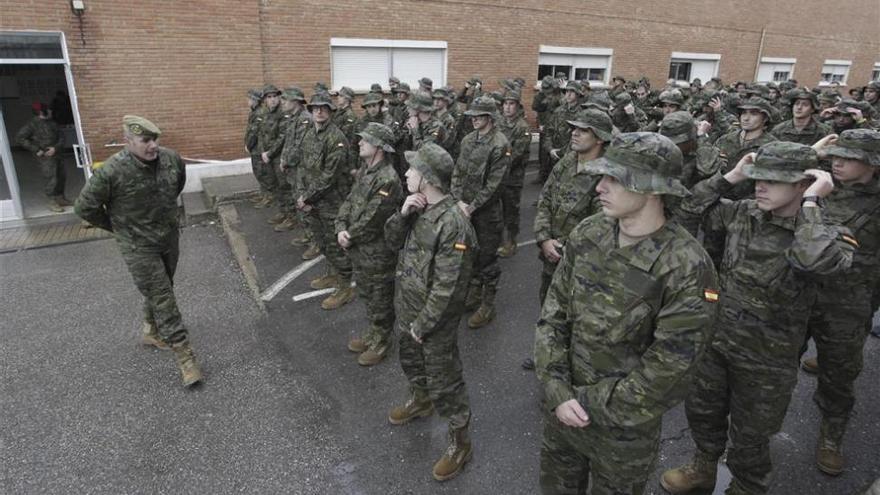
column 822, row 185
column 823, row 143
column 737, row 175
column 855, row 112
column 570, row 413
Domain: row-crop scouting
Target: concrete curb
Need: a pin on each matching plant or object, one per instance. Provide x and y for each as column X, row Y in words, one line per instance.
column 230, row 221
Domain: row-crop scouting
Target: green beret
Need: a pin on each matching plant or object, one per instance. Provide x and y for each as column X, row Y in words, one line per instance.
column 139, row 126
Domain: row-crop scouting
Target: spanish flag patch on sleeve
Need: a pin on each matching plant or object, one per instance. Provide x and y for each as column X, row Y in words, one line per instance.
column 340, row 145
column 849, row 240
column 384, row 193
column 711, row 295
column 460, row 246
column 507, row 153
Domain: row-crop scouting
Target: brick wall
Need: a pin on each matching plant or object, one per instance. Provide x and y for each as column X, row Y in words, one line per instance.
column 187, row 65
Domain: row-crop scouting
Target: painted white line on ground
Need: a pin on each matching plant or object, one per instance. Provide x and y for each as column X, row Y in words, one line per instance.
column 315, row 293
column 526, row 243
column 288, row 277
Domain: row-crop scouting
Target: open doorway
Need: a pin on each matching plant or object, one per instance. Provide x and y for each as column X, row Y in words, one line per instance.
column 37, row 93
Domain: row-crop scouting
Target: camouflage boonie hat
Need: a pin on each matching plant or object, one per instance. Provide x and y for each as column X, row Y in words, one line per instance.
column 443, row 94
column 548, row 83
column 346, row 92
column 484, row 105
column 506, row 84
column 372, row 99
column 595, row 120
column 393, row 80
column 561, row 75
column 857, row 144
column 828, row 98
column 401, row 88
column 643, row 162
column 619, row 78
column 139, row 126
column 863, row 106
column 782, row 161
column 375, row 88
column 756, row 103
column 874, row 86
column 622, row 99
column 270, row 89
column 427, row 82
column 679, row 127
column 512, row 95
column 293, row 94
column 256, row 94
column 758, row 90
column 498, row 96
column 575, row 86
column 801, row 94
column 320, row 87
column 433, row 163
column 321, row 100
column 599, row 101
column 420, row 101
column 475, row 80
column 378, row 135
column 519, row 82
column 672, row 97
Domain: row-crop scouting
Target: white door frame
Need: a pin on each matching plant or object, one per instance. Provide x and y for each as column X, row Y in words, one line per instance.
column 10, row 209
column 5, row 146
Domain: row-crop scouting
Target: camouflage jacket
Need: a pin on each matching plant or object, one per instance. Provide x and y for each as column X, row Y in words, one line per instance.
column 323, row 177
column 480, row 168
column 622, row 328
column 135, row 200
column 733, row 148
column 560, row 133
column 632, row 122
column 449, row 124
column 39, row 135
column 375, row 196
column 347, row 122
column 519, row 136
column 814, row 131
column 768, row 272
column 568, row 196
column 250, row 132
column 269, row 137
column 544, row 103
column 856, row 207
column 297, row 126
column 431, row 131
column 437, row 249
column 722, row 123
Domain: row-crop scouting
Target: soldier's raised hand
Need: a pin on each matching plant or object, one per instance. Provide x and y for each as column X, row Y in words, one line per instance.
column 570, row 413
column 820, row 145
column 736, row 175
column 822, row 186
column 413, row 202
column 715, row 103
column 629, row 109
column 703, row 127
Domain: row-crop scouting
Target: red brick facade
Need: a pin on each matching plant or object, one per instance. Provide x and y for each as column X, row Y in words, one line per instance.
column 187, row 65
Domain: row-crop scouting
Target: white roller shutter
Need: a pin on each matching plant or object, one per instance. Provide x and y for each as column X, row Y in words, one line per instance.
column 359, row 67
column 412, row 64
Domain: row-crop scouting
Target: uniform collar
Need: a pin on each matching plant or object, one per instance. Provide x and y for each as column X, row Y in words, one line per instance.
column 434, row 212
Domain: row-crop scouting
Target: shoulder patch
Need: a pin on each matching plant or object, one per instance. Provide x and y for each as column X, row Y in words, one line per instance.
column 340, row 145
column 711, row 295
column 460, row 246
column 507, row 153
column 849, row 240
column 384, row 193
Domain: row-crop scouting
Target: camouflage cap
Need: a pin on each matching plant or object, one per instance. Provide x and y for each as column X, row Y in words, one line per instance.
column 393, row 80
column 372, row 99
column 519, row 82
column 598, row 100
column 475, row 80
column 758, row 90
column 512, row 95
column 643, row 162
column 320, row 87
column 401, row 88
column 619, row 78
column 270, row 89
column 293, row 93
column 873, row 86
column 506, row 84
column 697, row 82
column 484, row 105
column 801, row 94
column 782, row 161
column 832, row 98
column 346, row 92
column 595, row 120
column 679, row 127
column 672, row 97
column 548, row 83
column 255, row 94
column 561, row 75
column 321, row 99
column 420, row 101
column 442, row 94
column 426, row 81
column 622, row 99
column 644, row 81
column 575, row 86
column 498, row 96
column 375, row 88
column 756, row 103
column 433, row 163
column 845, row 103
column 378, row 135
column 139, row 126
column 857, row 144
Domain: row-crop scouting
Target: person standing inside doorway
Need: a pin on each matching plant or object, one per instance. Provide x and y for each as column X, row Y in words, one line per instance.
column 42, row 137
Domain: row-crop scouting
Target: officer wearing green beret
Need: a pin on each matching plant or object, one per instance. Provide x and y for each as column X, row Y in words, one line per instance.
column 134, row 196
column 626, row 318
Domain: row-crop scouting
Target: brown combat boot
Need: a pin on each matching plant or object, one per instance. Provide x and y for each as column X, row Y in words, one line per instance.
column 303, row 239
column 190, row 373
column 150, row 337
column 456, row 456
column 413, row 409
column 288, row 224
column 810, row 365
column 482, row 316
column 357, row 345
column 311, row 253
column 829, row 454
column 276, row 218
column 324, row 282
column 372, row 357
column 267, row 202
column 699, row 474
column 339, row 298
column 508, row 249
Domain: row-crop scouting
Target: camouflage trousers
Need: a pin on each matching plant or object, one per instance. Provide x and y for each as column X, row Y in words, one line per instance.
column 153, row 275
column 374, row 269
column 617, row 460
column 511, row 195
column 434, row 371
column 754, row 398
column 547, row 271
column 283, row 191
column 320, row 221
column 265, row 174
column 52, row 170
column 489, row 228
column 839, row 326
column 545, row 161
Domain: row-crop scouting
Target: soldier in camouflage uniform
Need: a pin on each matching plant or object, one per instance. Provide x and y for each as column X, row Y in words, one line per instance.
column 134, row 196
column 372, row 106
column 437, row 246
column 701, row 159
column 423, row 126
column 292, row 104
column 544, row 102
column 269, row 144
column 515, row 128
column 844, row 306
column 708, row 108
column 397, row 103
column 849, row 114
column 871, row 96
column 559, row 131
column 627, row 316
column 476, row 183
column 323, row 182
column 774, row 247
column 42, row 137
column 297, row 123
column 255, row 98
column 360, row 222
column 626, row 116
column 803, row 127
column 754, row 119
column 347, row 121
column 442, row 99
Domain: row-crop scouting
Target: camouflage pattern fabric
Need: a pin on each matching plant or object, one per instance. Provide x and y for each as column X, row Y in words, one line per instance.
column 40, row 135
column 270, row 141
column 814, row 131
column 434, row 265
column 296, row 130
column 544, row 103
column 733, row 147
column 520, row 138
column 620, row 331
column 137, row 202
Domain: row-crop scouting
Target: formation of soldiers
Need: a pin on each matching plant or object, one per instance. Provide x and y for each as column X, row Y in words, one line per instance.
column 692, row 239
